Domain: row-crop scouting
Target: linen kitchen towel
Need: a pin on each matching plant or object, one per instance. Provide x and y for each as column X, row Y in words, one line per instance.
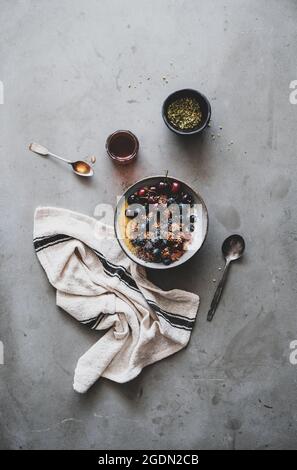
column 103, row 289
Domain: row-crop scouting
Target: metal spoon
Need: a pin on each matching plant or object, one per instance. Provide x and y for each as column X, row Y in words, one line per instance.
column 81, row 167
column 232, row 248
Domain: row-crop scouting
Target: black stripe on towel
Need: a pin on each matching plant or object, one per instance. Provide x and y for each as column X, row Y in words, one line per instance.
column 174, row 315
column 118, row 271
column 41, row 243
column 175, row 320
column 92, row 322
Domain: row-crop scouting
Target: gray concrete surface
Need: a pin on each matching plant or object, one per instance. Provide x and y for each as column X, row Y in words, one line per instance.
column 66, row 67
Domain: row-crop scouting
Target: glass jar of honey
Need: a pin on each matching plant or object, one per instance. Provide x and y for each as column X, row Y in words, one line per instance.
column 122, row 146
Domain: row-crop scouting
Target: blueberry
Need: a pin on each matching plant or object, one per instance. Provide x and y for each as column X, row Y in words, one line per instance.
column 192, row 218
column 164, row 243
column 138, row 241
column 166, row 261
column 192, row 227
column 157, row 253
column 148, row 246
column 132, row 199
column 156, row 241
column 130, row 213
column 133, row 211
column 171, row 200
column 187, row 198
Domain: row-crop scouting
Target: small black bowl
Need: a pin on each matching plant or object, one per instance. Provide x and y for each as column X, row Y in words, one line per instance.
column 204, row 106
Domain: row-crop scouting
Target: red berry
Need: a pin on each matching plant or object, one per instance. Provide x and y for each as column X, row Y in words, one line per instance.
column 175, row 187
column 142, row 192
column 163, row 187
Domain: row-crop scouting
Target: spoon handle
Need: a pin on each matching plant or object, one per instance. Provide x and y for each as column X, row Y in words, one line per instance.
column 59, row 158
column 218, row 293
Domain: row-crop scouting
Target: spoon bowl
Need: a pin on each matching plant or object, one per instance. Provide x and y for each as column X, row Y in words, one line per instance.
column 233, row 247
column 82, row 168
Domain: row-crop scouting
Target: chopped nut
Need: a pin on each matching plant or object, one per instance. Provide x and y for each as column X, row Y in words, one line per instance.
column 184, row 113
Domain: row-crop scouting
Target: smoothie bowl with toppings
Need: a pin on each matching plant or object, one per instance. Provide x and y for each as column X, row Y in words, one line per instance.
column 160, row 222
